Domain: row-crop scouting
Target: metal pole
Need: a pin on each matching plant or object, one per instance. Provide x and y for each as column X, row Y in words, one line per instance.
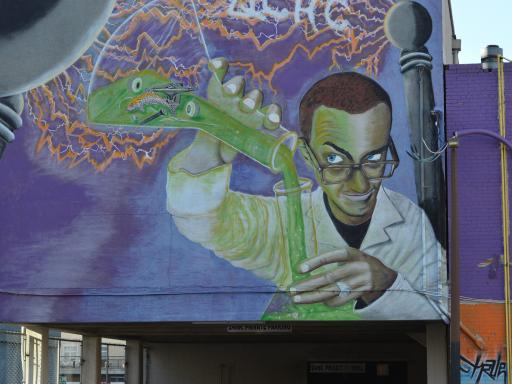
column 107, row 365
column 454, row 269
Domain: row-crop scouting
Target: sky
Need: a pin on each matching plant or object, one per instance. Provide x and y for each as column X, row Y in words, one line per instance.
column 479, row 23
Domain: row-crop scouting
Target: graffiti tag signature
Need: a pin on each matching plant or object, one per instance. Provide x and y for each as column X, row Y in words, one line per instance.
column 262, row 10
column 493, row 369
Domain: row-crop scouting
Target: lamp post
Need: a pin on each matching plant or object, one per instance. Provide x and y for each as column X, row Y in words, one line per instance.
column 408, row 26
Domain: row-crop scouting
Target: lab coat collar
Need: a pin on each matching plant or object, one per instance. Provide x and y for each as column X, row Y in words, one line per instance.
column 384, row 215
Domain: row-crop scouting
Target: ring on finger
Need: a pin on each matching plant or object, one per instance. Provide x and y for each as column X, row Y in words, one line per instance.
column 344, row 288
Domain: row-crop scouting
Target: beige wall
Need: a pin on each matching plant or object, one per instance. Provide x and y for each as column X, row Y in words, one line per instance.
column 269, row 363
column 447, row 35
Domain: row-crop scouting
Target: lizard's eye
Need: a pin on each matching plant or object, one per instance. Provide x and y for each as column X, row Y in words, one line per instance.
column 136, row 85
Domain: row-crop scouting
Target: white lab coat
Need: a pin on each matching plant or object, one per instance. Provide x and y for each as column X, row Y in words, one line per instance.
column 245, row 230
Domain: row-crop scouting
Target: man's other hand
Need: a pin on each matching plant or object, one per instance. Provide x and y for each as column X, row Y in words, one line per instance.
column 357, row 275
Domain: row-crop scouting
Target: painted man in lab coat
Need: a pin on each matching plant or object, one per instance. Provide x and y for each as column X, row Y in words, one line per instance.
column 375, row 246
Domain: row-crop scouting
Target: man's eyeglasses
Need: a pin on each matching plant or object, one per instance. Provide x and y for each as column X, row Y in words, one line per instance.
column 372, row 170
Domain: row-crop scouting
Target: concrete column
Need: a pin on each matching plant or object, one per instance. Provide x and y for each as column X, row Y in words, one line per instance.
column 45, row 361
column 437, row 354
column 37, row 361
column 134, row 362
column 31, row 359
column 90, row 372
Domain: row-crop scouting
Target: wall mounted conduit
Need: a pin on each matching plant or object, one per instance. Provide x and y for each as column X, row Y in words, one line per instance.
column 505, row 144
column 505, row 211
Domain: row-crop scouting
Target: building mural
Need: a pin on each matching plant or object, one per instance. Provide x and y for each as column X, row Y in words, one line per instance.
column 234, row 160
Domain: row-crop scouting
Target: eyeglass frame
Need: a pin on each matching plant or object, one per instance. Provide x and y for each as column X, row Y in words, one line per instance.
column 395, row 162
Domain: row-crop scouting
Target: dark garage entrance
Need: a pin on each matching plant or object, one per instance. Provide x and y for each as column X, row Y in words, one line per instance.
column 332, row 372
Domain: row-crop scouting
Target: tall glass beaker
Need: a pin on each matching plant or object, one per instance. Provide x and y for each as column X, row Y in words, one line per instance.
column 285, row 198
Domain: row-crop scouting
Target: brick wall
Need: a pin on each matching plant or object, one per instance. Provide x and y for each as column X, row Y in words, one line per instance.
column 472, row 103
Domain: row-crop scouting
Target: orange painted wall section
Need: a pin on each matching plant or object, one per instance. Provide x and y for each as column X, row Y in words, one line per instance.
column 483, row 343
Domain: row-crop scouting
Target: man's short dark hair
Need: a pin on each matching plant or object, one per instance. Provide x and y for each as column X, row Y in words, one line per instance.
column 347, row 91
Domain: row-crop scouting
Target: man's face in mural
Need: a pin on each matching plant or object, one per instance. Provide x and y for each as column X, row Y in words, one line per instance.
column 340, row 138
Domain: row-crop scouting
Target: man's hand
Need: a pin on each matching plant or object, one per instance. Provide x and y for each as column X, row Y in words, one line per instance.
column 10, row 119
column 206, row 152
column 10, row 110
column 357, row 275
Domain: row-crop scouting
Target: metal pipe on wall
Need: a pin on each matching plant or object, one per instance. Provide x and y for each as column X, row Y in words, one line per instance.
column 454, row 269
column 454, row 245
column 505, row 211
column 492, row 58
